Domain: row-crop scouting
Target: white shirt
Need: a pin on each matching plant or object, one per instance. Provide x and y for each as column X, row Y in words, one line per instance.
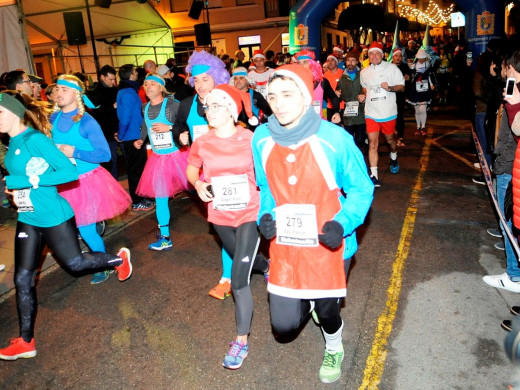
column 380, row 105
column 261, row 80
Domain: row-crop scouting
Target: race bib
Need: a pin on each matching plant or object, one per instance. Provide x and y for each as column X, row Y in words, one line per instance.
column 377, row 94
column 316, row 105
column 22, row 200
column 230, row 192
column 161, row 140
column 199, row 130
column 421, row 86
column 351, row 109
column 296, row 225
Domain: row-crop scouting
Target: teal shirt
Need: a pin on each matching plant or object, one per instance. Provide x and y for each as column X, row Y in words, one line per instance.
column 32, row 150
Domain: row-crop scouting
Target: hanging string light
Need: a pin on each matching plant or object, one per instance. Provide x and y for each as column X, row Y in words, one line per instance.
column 433, row 15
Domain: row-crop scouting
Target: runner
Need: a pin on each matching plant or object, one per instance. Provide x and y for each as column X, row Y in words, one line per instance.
column 164, row 172
column 207, row 71
column 36, row 166
column 314, row 193
column 229, row 184
column 96, row 196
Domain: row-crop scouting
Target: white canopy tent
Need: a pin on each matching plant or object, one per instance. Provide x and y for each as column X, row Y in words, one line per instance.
column 125, row 32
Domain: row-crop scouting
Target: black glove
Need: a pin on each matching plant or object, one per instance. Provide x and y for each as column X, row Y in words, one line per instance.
column 267, row 226
column 332, row 234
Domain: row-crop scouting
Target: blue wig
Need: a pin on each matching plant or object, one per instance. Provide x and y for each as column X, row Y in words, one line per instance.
column 217, row 69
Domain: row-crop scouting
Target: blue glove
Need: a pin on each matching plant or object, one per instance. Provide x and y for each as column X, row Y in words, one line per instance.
column 267, row 226
column 332, row 236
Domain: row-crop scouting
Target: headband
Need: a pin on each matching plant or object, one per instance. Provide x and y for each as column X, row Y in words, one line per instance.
column 199, row 69
column 240, row 74
column 304, row 57
column 158, row 80
column 12, row 104
column 75, row 86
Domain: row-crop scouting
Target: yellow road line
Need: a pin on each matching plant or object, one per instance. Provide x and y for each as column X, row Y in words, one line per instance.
column 376, row 360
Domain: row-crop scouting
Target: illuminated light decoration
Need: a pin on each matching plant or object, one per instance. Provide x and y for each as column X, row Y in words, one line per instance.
column 434, row 15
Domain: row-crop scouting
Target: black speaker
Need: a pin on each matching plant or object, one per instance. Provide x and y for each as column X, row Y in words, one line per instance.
column 196, row 9
column 103, row 3
column 75, row 28
column 202, row 34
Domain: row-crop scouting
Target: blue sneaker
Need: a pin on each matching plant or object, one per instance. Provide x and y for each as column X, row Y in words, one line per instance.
column 162, row 244
column 236, row 355
column 99, row 277
column 394, row 166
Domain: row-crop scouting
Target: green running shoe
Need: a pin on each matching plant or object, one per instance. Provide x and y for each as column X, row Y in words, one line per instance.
column 330, row 370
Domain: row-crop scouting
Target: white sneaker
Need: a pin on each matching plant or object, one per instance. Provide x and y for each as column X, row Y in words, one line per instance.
column 502, row 281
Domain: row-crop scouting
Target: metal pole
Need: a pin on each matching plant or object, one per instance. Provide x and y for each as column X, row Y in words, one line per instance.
column 28, row 50
column 209, row 26
column 96, row 59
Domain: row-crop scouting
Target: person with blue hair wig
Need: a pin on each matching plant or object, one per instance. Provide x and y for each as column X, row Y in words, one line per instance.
column 206, row 72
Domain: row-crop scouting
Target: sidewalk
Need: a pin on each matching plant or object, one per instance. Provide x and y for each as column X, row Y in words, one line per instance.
column 8, row 219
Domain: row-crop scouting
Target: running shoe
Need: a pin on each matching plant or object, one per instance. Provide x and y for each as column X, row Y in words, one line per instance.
column 221, row 290
column 394, row 166
column 400, row 143
column 19, row 348
column 124, row 271
column 423, row 131
column 143, row 205
column 494, row 232
column 162, row 244
column 376, row 182
column 330, row 370
column 479, row 179
column 500, row 246
column 515, row 310
column 100, row 277
column 506, row 325
column 418, row 132
column 236, row 355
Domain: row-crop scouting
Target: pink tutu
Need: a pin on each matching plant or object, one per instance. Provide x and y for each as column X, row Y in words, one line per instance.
column 96, row 196
column 164, row 175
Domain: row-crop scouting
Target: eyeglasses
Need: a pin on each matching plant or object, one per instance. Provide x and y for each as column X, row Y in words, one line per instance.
column 27, row 81
column 212, row 107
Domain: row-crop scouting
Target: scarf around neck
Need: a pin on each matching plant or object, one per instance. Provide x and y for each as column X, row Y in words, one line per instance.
column 309, row 124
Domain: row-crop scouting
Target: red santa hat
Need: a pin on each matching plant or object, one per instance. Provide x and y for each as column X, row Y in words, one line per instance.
column 233, row 99
column 337, row 49
column 301, row 76
column 258, row 53
column 376, row 46
column 398, row 50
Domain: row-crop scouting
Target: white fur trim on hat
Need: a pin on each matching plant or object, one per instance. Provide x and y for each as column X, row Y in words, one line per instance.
column 299, row 82
column 333, row 57
column 225, row 100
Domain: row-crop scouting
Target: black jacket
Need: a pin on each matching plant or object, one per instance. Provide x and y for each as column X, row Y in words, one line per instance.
column 106, row 114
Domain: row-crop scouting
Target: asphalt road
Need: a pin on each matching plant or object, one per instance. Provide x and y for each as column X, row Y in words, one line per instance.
column 417, row 315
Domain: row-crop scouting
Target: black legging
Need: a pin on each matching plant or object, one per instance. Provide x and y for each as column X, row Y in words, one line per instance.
column 63, row 241
column 242, row 244
column 288, row 314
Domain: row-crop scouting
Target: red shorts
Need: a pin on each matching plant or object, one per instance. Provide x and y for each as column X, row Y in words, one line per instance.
column 383, row 127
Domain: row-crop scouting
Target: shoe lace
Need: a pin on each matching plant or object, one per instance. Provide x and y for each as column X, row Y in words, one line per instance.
column 235, row 348
column 330, row 359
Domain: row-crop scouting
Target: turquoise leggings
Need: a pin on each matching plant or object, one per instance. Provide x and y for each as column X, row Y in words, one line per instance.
column 162, row 211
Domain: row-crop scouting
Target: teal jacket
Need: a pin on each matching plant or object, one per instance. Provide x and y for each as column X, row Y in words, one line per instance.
column 31, row 152
column 348, row 168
